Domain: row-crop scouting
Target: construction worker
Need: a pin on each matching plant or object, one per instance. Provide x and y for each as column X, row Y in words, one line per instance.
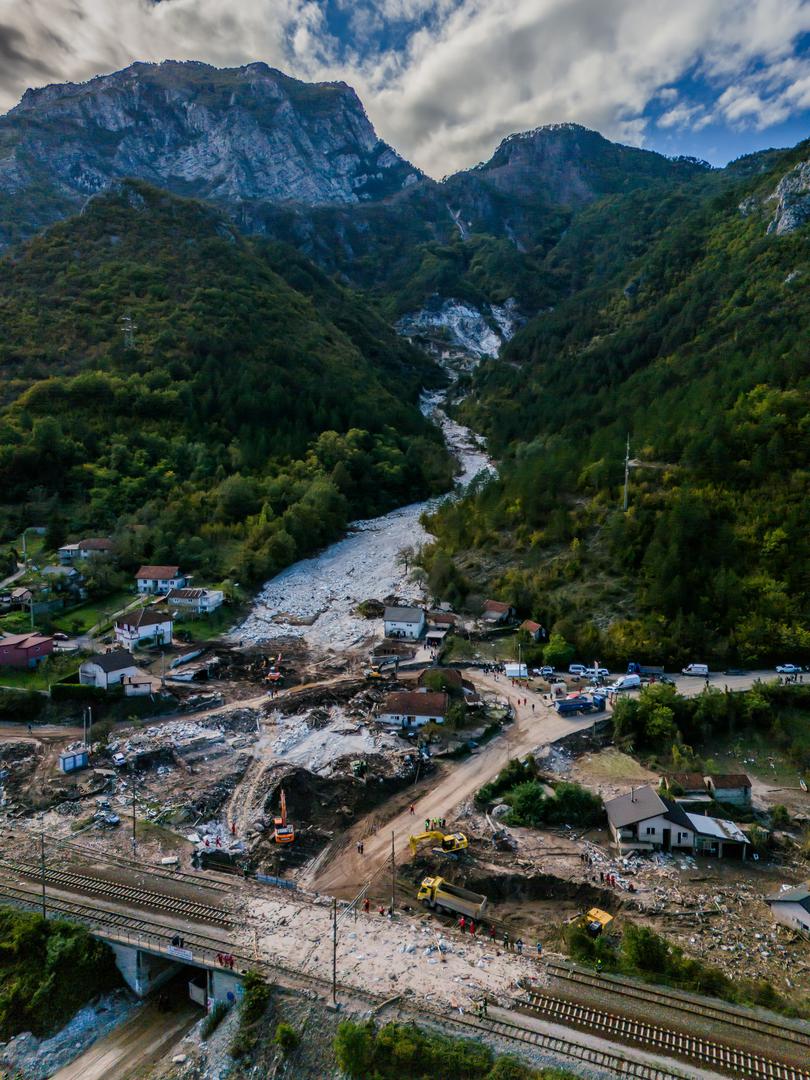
column 427, row 824
column 484, row 1009
column 462, row 923
column 492, row 933
column 539, row 949
column 366, row 905
column 506, row 942
column 413, row 809
column 472, row 927
column 519, row 945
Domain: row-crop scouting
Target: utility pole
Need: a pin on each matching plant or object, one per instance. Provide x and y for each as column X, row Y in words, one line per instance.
column 134, row 841
column 129, row 329
column 626, row 474
column 42, row 869
column 393, row 876
column 334, row 951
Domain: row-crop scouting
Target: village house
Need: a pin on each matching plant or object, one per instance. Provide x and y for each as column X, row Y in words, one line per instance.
column 63, row 577
column 197, row 601
column 21, row 596
column 643, row 820
column 147, row 625
column 533, row 629
column 496, row 612
column 452, row 678
column 792, row 907
column 734, row 788
column 412, row 709
column 160, row 579
column 24, row 650
column 107, row 669
column 685, row 785
column 404, row 622
column 85, row 549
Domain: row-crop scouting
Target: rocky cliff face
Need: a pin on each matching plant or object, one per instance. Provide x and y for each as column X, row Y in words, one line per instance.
column 792, row 198
column 226, row 135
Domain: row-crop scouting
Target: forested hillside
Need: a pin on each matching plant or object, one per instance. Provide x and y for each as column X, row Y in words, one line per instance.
column 683, row 321
column 258, row 408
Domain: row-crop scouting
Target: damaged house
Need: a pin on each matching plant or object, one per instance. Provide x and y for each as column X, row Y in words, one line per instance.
column 412, row 709
column 643, row 820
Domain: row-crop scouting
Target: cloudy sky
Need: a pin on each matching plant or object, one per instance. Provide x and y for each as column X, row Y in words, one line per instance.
column 445, row 80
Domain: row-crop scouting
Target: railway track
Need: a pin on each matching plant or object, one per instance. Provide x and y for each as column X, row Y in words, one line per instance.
column 588, row 1055
column 664, row 1040
column 126, row 894
column 726, row 1014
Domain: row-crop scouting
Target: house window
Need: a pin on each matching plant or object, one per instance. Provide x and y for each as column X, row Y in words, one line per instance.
column 650, row 830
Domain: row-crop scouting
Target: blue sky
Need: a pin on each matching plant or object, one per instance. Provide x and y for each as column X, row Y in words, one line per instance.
column 445, row 80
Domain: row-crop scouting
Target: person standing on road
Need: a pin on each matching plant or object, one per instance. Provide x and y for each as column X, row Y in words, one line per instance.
column 413, row 809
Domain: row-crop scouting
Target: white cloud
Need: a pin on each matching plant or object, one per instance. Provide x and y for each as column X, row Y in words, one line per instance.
column 471, row 71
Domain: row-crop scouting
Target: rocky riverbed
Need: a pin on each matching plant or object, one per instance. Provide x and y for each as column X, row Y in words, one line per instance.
column 316, row 598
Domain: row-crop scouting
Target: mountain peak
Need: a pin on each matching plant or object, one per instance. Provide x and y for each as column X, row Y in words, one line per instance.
column 230, row 135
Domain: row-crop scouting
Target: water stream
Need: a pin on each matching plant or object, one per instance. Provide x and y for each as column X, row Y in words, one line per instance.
column 315, row 598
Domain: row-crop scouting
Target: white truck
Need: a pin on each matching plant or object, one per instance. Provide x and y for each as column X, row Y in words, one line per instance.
column 696, row 669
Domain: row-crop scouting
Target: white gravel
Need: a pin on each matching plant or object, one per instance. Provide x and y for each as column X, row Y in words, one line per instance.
column 314, row 598
column 318, row 749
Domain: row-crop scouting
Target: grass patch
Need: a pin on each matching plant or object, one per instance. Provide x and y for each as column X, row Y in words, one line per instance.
column 205, row 627
column 404, row 1052
column 49, row 969
column 499, row 648
column 80, row 619
column 52, row 669
column 649, row 956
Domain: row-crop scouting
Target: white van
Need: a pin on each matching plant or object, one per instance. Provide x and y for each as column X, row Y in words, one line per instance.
column 577, row 669
column 626, row 682
column 696, row 669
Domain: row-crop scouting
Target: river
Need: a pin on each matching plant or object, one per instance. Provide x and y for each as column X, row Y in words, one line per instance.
column 315, row 598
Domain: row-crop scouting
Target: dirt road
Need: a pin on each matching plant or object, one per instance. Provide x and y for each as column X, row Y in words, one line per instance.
column 129, row 1050
column 340, row 871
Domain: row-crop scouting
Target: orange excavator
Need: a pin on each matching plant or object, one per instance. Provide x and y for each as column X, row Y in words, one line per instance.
column 274, row 676
column 283, row 833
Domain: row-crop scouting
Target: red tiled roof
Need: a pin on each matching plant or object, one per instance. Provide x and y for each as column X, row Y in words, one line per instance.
column 160, row 573
column 532, row 627
column 410, row 703
column 25, row 641
column 689, row 781
column 95, row 544
column 496, row 605
column 729, row 780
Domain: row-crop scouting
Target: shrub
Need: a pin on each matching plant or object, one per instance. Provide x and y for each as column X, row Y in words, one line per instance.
column 512, row 774
column 49, row 968
column 780, row 816
column 255, row 999
column 286, row 1038
column 569, row 805
column 214, row 1019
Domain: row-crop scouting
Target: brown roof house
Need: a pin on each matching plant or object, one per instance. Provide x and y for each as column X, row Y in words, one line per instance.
column 148, row 626
column 409, row 709
column 495, row 611
column 533, row 629
column 160, row 579
column 734, row 788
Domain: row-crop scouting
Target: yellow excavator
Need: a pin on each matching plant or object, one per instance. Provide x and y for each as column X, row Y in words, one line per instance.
column 446, row 843
column 283, row 833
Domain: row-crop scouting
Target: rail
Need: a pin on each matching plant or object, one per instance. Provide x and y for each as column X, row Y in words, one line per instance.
column 669, row 1041
column 127, row 894
column 726, row 1014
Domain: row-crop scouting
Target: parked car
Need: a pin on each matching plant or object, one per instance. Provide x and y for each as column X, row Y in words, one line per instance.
column 577, row 669
column 61, row 636
column 788, row 669
column 735, row 671
column 544, row 672
column 696, row 669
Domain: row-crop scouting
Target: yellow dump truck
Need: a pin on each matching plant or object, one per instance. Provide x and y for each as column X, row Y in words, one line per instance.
column 441, row 895
column 595, row 921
